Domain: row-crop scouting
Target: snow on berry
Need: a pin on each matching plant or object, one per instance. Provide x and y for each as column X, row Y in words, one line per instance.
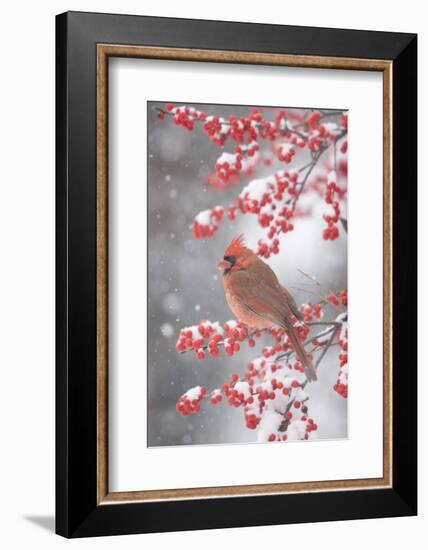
column 207, row 222
column 216, row 397
column 281, row 197
column 198, row 338
column 285, row 152
column 189, row 402
column 341, row 385
column 228, row 166
column 269, row 426
column 184, row 116
column 272, row 391
column 217, row 129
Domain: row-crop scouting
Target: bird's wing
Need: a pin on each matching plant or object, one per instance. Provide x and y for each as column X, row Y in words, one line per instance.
column 292, row 302
column 262, row 295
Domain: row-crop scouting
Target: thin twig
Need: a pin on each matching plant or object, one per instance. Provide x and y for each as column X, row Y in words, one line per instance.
column 305, row 179
column 314, row 281
column 288, row 354
column 327, row 346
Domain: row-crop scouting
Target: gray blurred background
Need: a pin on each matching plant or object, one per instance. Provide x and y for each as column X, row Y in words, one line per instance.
column 186, row 287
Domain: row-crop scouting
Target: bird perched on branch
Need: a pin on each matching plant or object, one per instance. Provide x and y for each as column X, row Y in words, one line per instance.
column 257, row 298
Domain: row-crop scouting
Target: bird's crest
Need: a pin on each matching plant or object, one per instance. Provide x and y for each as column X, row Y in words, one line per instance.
column 237, row 246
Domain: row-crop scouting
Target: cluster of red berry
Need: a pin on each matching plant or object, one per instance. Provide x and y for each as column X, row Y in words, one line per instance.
column 265, row 249
column 279, row 407
column 228, row 166
column 340, row 299
column 331, row 232
column 302, row 426
column 267, row 388
column 341, row 385
column 216, row 129
column 183, row 115
column 249, row 149
column 271, row 204
column 189, row 402
column 200, row 337
column 285, row 152
column 265, row 198
column 209, row 337
column 311, row 312
column 271, row 392
column 237, row 392
column 245, row 129
column 216, row 397
column 207, row 222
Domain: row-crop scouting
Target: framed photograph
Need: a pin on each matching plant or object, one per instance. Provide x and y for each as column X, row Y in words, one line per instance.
column 236, row 274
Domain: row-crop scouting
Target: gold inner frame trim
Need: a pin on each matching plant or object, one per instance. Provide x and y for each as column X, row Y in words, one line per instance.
column 104, row 51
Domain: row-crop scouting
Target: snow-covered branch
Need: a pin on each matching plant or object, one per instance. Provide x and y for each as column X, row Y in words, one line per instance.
column 254, row 140
column 272, row 389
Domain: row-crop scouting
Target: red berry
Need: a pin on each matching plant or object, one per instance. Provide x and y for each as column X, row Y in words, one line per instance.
column 332, row 299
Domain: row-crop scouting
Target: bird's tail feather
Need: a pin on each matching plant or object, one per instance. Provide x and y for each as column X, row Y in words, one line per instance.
column 310, row 372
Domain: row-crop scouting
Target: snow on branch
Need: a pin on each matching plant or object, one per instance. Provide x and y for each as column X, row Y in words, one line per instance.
column 271, row 391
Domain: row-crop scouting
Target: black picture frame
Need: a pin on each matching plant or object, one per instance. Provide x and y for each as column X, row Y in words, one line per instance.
column 77, row 511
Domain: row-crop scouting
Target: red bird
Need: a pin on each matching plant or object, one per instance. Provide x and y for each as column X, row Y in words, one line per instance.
column 257, row 298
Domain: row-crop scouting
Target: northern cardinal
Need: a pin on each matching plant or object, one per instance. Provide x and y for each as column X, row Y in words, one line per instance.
column 257, row 298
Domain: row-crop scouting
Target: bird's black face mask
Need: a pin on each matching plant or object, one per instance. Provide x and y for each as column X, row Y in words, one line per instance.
column 227, row 264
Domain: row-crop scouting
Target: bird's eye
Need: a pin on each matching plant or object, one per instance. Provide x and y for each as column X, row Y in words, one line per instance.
column 230, row 259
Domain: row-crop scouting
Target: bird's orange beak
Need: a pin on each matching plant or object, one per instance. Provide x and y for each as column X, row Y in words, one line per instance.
column 223, row 265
